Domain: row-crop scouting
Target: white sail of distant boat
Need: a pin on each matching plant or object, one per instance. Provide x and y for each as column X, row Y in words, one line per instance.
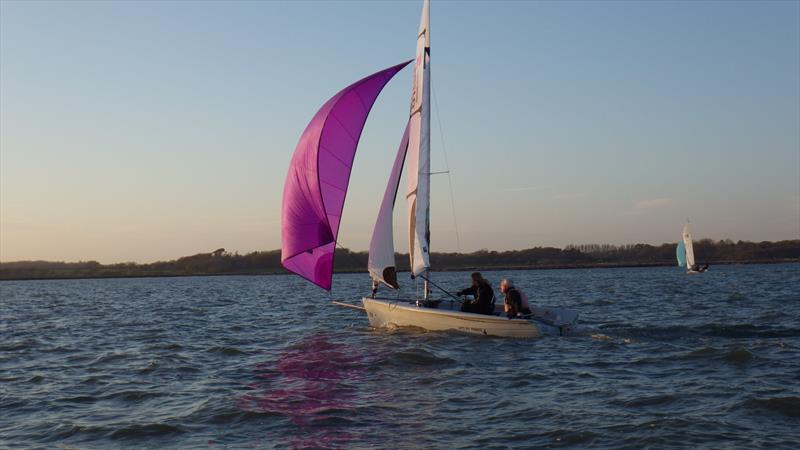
column 685, row 253
column 687, row 244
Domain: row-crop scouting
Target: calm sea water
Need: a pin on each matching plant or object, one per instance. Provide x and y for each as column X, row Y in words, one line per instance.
column 664, row 360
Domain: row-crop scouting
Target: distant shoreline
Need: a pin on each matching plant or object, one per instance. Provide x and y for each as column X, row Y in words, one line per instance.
column 487, row 268
column 585, row 256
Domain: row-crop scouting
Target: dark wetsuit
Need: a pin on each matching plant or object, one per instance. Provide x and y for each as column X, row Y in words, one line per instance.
column 482, row 304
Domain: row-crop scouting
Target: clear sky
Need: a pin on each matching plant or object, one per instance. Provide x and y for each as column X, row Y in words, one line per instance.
column 139, row 131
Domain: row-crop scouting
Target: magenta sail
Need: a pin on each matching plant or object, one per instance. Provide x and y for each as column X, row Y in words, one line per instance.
column 316, row 185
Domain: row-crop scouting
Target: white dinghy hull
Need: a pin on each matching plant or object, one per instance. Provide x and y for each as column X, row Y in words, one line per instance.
column 388, row 313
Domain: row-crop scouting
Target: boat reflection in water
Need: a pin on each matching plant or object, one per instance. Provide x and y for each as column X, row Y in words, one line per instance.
column 315, row 384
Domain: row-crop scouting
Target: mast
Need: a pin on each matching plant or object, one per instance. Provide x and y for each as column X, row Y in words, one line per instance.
column 419, row 158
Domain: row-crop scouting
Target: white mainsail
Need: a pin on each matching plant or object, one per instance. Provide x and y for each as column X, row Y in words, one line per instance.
column 381, row 247
column 419, row 146
column 687, row 242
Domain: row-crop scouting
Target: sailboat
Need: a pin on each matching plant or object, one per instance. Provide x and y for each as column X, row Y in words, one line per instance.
column 314, row 195
column 685, row 253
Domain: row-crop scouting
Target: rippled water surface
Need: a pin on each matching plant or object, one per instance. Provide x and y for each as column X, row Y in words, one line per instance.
column 664, row 360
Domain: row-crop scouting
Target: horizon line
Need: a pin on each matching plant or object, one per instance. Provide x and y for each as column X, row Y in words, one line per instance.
column 396, row 253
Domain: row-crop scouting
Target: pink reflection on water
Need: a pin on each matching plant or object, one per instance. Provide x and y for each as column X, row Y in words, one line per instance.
column 311, row 383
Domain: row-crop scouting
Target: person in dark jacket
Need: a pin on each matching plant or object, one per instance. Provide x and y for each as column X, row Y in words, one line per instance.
column 514, row 306
column 483, row 294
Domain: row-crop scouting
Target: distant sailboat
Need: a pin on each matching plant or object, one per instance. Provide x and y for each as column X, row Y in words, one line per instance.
column 313, row 200
column 680, row 253
column 685, row 253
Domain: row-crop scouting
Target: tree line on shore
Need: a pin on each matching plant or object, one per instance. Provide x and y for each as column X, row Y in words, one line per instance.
column 220, row 262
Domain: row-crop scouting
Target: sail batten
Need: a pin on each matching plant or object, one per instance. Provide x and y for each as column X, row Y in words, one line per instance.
column 316, row 186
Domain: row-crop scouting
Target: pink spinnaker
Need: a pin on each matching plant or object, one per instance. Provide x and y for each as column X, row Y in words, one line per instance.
column 316, row 185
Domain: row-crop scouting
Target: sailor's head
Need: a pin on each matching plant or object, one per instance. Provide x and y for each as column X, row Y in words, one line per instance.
column 505, row 284
column 476, row 278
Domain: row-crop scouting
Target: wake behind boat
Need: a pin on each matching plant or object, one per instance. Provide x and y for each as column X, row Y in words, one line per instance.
column 314, row 195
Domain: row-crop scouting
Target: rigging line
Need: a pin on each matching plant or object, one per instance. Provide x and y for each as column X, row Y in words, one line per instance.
column 350, row 254
column 447, row 166
column 439, row 287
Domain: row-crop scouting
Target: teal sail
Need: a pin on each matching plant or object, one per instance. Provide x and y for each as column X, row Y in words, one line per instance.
column 680, row 253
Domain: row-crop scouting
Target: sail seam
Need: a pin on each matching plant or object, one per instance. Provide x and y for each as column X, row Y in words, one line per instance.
column 322, row 130
column 361, row 100
column 350, row 135
column 328, row 151
column 334, row 187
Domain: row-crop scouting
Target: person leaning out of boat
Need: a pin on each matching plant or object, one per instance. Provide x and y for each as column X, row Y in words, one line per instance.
column 483, row 294
column 516, row 303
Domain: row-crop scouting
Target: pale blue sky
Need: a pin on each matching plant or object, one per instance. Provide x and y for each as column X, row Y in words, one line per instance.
column 151, row 130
